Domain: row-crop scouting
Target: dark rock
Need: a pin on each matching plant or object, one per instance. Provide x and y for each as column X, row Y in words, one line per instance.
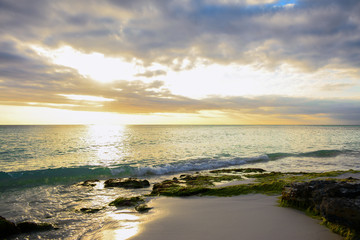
column 343, row 211
column 89, row 183
column 142, row 208
column 127, row 202
column 7, row 228
column 89, row 210
column 337, row 201
column 26, row 227
column 127, row 183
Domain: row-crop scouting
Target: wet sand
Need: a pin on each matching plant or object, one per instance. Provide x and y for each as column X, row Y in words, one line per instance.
column 249, row 217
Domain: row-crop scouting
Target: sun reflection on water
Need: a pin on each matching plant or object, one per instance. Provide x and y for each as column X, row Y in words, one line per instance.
column 107, row 142
column 128, row 226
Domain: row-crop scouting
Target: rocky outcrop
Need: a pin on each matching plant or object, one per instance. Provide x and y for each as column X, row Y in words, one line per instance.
column 337, row 201
column 89, row 183
column 26, row 227
column 127, row 183
column 8, row 228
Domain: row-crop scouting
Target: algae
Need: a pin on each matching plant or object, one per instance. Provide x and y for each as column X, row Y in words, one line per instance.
column 142, row 208
column 89, row 210
column 266, row 182
column 126, row 202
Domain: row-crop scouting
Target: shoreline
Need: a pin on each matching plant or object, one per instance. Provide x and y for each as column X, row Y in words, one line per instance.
column 253, row 216
column 232, row 203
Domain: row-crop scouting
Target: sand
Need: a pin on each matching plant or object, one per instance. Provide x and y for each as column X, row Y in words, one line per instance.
column 242, row 217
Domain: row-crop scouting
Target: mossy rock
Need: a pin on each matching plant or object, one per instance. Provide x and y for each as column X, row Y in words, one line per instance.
column 127, row 183
column 126, row 202
column 89, row 210
column 142, row 208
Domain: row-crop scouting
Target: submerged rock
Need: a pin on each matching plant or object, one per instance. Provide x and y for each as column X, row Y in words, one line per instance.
column 142, row 208
column 89, row 210
column 127, row 183
column 338, row 202
column 89, row 183
column 26, row 227
column 127, row 202
column 7, row 228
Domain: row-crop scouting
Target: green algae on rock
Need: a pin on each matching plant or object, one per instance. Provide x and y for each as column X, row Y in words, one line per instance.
column 127, row 183
column 126, row 202
column 266, row 182
column 336, row 202
column 142, row 208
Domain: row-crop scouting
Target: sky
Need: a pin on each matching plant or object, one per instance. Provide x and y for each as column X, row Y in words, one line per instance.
column 180, row 62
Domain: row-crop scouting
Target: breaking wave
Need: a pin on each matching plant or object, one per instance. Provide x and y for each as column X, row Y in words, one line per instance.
column 71, row 175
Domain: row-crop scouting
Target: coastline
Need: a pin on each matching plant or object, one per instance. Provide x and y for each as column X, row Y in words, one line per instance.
column 253, row 216
column 223, row 203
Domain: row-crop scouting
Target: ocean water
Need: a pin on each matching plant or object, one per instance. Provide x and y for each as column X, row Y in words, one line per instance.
column 40, row 166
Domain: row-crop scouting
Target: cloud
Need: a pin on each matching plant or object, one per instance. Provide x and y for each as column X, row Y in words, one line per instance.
column 336, row 86
column 29, row 80
column 150, row 74
column 312, row 33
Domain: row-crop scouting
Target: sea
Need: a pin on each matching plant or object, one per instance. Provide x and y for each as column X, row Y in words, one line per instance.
column 41, row 166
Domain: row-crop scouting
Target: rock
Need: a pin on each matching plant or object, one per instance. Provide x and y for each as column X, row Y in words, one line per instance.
column 127, row 183
column 89, row 183
column 26, row 227
column 7, row 228
column 89, row 210
column 337, row 201
column 142, row 208
column 165, row 185
column 126, row 202
column 343, row 211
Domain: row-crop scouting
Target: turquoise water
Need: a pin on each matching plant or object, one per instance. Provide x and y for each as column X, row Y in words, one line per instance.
column 40, row 165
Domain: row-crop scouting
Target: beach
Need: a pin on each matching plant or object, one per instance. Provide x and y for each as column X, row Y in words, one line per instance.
column 247, row 217
column 56, row 175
